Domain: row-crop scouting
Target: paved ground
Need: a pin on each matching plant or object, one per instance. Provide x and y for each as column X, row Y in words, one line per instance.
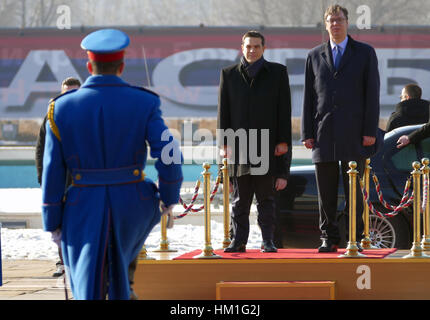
column 31, row 280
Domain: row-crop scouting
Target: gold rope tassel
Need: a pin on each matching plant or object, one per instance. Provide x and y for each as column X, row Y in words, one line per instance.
column 226, row 204
column 416, row 250
column 208, row 252
column 352, row 249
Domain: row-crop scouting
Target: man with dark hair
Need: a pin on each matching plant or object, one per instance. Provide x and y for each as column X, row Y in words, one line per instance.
column 411, row 109
column 100, row 134
column 254, row 96
column 69, row 83
column 254, row 34
column 340, row 117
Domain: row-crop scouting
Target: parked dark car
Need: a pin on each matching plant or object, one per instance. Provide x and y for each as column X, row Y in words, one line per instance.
column 297, row 214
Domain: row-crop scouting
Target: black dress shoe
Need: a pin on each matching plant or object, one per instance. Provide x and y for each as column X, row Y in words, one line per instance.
column 328, row 246
column 268, row 246
column 233, row 247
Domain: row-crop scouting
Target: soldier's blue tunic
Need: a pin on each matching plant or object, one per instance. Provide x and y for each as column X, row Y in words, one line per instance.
column 100, row 134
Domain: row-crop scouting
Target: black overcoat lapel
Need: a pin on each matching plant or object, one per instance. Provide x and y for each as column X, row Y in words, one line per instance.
column 327, row 56
column 349, row 52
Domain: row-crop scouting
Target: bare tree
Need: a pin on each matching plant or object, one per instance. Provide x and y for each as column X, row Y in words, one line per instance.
column 42, row 13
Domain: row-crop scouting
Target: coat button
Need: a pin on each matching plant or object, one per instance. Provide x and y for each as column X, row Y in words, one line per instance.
column 78, row 176
column 136, row 172
column 335, row 75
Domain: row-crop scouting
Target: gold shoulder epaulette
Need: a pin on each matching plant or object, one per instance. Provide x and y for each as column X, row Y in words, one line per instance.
column 52, row 124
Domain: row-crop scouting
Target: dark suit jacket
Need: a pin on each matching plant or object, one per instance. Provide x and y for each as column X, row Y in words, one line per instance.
column 340, row 107
column 40, row 149
column 261, row 103
column 39, row 152
column 409, row 112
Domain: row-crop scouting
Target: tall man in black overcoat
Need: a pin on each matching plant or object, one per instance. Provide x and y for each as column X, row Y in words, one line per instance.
column 254, row 100
column 340, row 117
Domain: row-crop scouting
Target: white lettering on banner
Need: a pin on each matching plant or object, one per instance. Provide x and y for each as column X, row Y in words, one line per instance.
column 390, row 95
column 166, row 74
column 166, row 78
column 363, row 281
column 25, row 81
column 282, row 55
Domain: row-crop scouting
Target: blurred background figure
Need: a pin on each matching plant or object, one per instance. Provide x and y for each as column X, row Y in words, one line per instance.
column 410, row 110
column 67, row 84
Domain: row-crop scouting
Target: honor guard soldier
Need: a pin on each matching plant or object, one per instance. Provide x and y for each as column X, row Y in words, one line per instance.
column 100, row 134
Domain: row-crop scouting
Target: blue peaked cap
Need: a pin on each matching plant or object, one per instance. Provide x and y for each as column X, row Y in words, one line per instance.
column 105, row 41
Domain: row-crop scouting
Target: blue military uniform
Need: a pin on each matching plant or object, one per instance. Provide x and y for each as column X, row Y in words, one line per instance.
column 100, row 134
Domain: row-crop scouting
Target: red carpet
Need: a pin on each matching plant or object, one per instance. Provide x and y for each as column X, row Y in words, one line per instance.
column 287, row 254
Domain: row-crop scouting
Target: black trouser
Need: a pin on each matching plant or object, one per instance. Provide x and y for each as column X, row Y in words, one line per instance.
column 244, row 188
column 131, row 270
column 327, row 177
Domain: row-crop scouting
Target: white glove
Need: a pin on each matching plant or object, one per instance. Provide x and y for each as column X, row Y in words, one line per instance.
column 56, row 236
column 169, row 211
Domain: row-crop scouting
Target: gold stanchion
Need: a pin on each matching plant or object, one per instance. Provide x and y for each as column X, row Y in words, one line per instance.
column 352, row 249
column 164, row 243
column 143, row 254
column 416, row 250
column 208, row 252
column 425, row 242
column 366, row 243
column 226, row 204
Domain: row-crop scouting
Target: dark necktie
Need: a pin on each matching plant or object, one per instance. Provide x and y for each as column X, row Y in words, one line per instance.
column 338, row 57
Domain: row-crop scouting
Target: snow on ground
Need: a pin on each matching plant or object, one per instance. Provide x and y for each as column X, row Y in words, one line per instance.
column 35, row 244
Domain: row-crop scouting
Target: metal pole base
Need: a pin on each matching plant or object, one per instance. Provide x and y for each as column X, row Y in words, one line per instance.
column 425, row 243
column 164, row 247
column 226, row 243
column 416, row 252
column 144, row 257
column 207, row 253
column 352, row 251
column 366, row 243
column 143, row 254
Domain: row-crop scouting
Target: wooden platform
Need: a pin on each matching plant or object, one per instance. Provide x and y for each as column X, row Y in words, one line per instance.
column 388, row 278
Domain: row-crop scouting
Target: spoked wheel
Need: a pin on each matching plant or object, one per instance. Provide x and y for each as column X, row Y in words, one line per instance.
column 382, row 232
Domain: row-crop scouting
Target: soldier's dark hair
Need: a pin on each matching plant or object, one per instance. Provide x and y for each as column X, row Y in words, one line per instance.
column 253, row 34
column 106, row 67
column 335, row 9
column 413, row 91
column 70, row 81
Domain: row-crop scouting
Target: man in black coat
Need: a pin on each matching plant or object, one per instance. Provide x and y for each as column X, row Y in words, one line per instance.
column 340, row 117
column 67, row 84
column 254, row 109
column 411, row 110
